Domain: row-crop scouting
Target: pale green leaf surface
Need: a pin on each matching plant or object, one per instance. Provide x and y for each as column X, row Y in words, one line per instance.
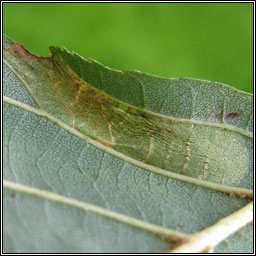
column 42, row 155
column 36, row 225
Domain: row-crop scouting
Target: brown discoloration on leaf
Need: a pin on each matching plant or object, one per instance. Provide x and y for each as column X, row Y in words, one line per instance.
column 207, row 250
column 13, row 195
column 128, row 110
column 178, row 242
column 143, row 114
column 77, row 83
column 107, row 144
column 20, row 52
column 233, row 115
column 95, row 97
column 149, row 149
column 241, row 195
column 215, row 117
column 245, row 196
column 218, row 117
column 125, row 128
column 111, row 134
column 229, row 116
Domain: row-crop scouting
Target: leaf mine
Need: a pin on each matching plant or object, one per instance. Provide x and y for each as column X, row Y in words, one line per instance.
column 216, row 153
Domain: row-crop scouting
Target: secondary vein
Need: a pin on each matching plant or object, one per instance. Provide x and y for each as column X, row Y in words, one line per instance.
column 154, row 169
column 169, row 234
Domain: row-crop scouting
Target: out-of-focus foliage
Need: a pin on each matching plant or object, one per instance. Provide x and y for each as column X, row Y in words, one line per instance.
column 212, row 41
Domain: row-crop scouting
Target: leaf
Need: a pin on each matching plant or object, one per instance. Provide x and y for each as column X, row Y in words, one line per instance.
column 98, row 160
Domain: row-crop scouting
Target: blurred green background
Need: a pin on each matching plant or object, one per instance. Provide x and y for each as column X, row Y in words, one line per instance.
column 212, row 41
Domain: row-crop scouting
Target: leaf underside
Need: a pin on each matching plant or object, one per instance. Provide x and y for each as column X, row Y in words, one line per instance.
column 159, row 150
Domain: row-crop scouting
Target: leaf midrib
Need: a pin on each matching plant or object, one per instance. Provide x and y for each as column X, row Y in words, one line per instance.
column 196, row 242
